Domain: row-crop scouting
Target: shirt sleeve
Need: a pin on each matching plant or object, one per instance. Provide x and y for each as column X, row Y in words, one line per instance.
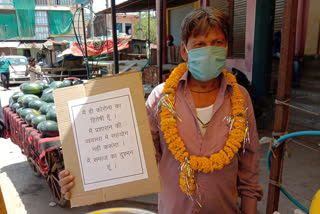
column 38, row 69
column 248, row 173
column 151, row 105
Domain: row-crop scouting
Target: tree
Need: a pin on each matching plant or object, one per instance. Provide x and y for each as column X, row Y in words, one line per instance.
column 144, row 27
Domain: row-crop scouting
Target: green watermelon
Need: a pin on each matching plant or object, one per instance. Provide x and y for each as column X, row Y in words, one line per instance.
column 37, row 119
column 44, row 84
column 19, row 110
column 47, row 98
column 49, row 128
column 10, row 104
column 16, row 95
column 15, row 106
column 57, row 84
column 21, row 98
column 27, row 100
column 11, row 101
column 31, row 88
column 36, row 104
column 25, row 111
column 47, row 90
column 30, row 116
column 46, row 107
column 67, row 83
column 77, row 82
column 51, row 114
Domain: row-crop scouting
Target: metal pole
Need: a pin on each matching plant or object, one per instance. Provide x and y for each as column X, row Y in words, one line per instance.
column 114, row 35
column 149, row 25
column 91, row 20
column 161, row 42
column 107, row 18
column 85, row 43
column 140, row 26
column 283, row 94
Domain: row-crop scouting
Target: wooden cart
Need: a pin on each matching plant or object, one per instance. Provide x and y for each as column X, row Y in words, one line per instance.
column 44, row 154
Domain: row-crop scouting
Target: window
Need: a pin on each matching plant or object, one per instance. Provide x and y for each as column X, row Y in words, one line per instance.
column 128, row 29
column 6, row 1
column 236, row 10
column 42, row 25
column 41, row 2
column 119, row 27
column 60, row 2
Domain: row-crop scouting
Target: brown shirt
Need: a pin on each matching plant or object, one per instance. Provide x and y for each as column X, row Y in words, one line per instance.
column 219, row 190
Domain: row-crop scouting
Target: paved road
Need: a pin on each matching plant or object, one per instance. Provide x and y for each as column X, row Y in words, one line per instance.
column 26, row 193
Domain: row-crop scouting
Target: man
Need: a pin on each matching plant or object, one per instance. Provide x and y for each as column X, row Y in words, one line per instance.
column 4, row 70
column 33, row 69
column 199, row 152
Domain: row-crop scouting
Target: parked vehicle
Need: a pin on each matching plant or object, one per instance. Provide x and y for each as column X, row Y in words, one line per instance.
column 19, row 63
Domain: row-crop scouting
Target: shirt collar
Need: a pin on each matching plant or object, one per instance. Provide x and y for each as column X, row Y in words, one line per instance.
column 224, row 82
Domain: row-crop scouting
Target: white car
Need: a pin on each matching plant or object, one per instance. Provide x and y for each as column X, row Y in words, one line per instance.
column 19, row 63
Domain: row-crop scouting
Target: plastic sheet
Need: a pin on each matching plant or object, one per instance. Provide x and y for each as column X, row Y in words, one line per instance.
column 60, row 22
column 8, row 26
column 25, row 17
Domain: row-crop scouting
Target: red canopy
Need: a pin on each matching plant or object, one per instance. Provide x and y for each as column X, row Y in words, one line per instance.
column 93, row 50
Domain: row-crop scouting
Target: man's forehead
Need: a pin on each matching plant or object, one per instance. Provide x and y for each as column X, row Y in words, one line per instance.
column 213, row 33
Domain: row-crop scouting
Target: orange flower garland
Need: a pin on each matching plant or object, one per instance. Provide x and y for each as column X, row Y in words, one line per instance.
column 216, row 161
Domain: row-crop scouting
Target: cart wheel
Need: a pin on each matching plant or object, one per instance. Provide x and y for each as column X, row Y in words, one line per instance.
column 55, row 165
column 34, row 168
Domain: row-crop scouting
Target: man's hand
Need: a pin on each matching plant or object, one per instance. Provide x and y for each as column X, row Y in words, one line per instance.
column 66, row 183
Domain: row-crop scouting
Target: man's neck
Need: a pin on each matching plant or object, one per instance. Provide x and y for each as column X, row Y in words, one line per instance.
column 198, row 86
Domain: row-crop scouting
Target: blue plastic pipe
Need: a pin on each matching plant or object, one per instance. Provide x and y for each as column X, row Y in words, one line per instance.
column 281, row 139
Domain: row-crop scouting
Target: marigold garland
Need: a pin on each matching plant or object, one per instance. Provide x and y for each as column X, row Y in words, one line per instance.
column 216, row 161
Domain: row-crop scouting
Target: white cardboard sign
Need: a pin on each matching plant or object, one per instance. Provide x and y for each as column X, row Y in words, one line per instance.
column 107, row 139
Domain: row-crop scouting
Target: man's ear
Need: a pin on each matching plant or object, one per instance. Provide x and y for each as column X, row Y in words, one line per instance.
column 184, row 53
column 227, row 47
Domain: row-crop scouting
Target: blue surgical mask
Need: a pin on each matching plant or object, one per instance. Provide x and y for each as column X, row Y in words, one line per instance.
column 206, row 63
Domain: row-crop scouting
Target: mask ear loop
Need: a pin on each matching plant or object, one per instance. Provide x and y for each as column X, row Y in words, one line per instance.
column 185, row 47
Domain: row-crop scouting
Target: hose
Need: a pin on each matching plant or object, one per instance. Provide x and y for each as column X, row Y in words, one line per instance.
column 281, row 139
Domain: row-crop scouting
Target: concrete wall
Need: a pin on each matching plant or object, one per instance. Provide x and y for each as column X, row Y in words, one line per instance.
column 313, row 28
column 123, row 19
column 9, row 51
column 175, row 18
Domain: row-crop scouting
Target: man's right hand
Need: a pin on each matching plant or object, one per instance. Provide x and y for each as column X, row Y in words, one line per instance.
column 66, row 182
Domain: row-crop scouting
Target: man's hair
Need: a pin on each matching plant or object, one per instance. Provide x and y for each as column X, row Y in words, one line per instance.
column 201, row 21
column 30, row 59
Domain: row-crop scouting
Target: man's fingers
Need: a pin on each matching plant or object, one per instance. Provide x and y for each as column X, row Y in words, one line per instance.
column 66, row 180
column 66, row 188
column 64, row 173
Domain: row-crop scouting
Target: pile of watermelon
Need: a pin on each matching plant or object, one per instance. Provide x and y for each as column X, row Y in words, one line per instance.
column 34, row 103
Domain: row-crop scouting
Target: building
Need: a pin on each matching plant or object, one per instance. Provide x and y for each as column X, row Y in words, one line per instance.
column 124, row 23
column 43, row 9
column 26, row 24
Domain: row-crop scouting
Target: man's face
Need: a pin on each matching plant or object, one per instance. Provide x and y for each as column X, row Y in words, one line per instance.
column 215, row 37
column 32, row 63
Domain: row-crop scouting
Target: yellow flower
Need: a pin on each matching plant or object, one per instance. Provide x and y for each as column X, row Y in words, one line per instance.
column 217, row 160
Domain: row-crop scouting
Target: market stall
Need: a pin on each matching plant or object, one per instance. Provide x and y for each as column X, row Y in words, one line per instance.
column 30, row 123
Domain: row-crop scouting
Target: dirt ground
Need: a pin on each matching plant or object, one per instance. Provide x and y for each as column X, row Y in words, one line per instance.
column 26, row 193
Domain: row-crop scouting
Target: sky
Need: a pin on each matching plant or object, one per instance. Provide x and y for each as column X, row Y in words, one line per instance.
column 99, row 5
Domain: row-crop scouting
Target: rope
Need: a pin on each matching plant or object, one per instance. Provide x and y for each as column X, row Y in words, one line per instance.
column 278, row 102
column 301, row 144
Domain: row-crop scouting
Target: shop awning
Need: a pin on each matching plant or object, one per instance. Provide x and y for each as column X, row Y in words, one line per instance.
column 9, row 44
column 140, row 5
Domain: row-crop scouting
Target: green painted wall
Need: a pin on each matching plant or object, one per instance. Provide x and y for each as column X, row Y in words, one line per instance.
column 262, row 53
